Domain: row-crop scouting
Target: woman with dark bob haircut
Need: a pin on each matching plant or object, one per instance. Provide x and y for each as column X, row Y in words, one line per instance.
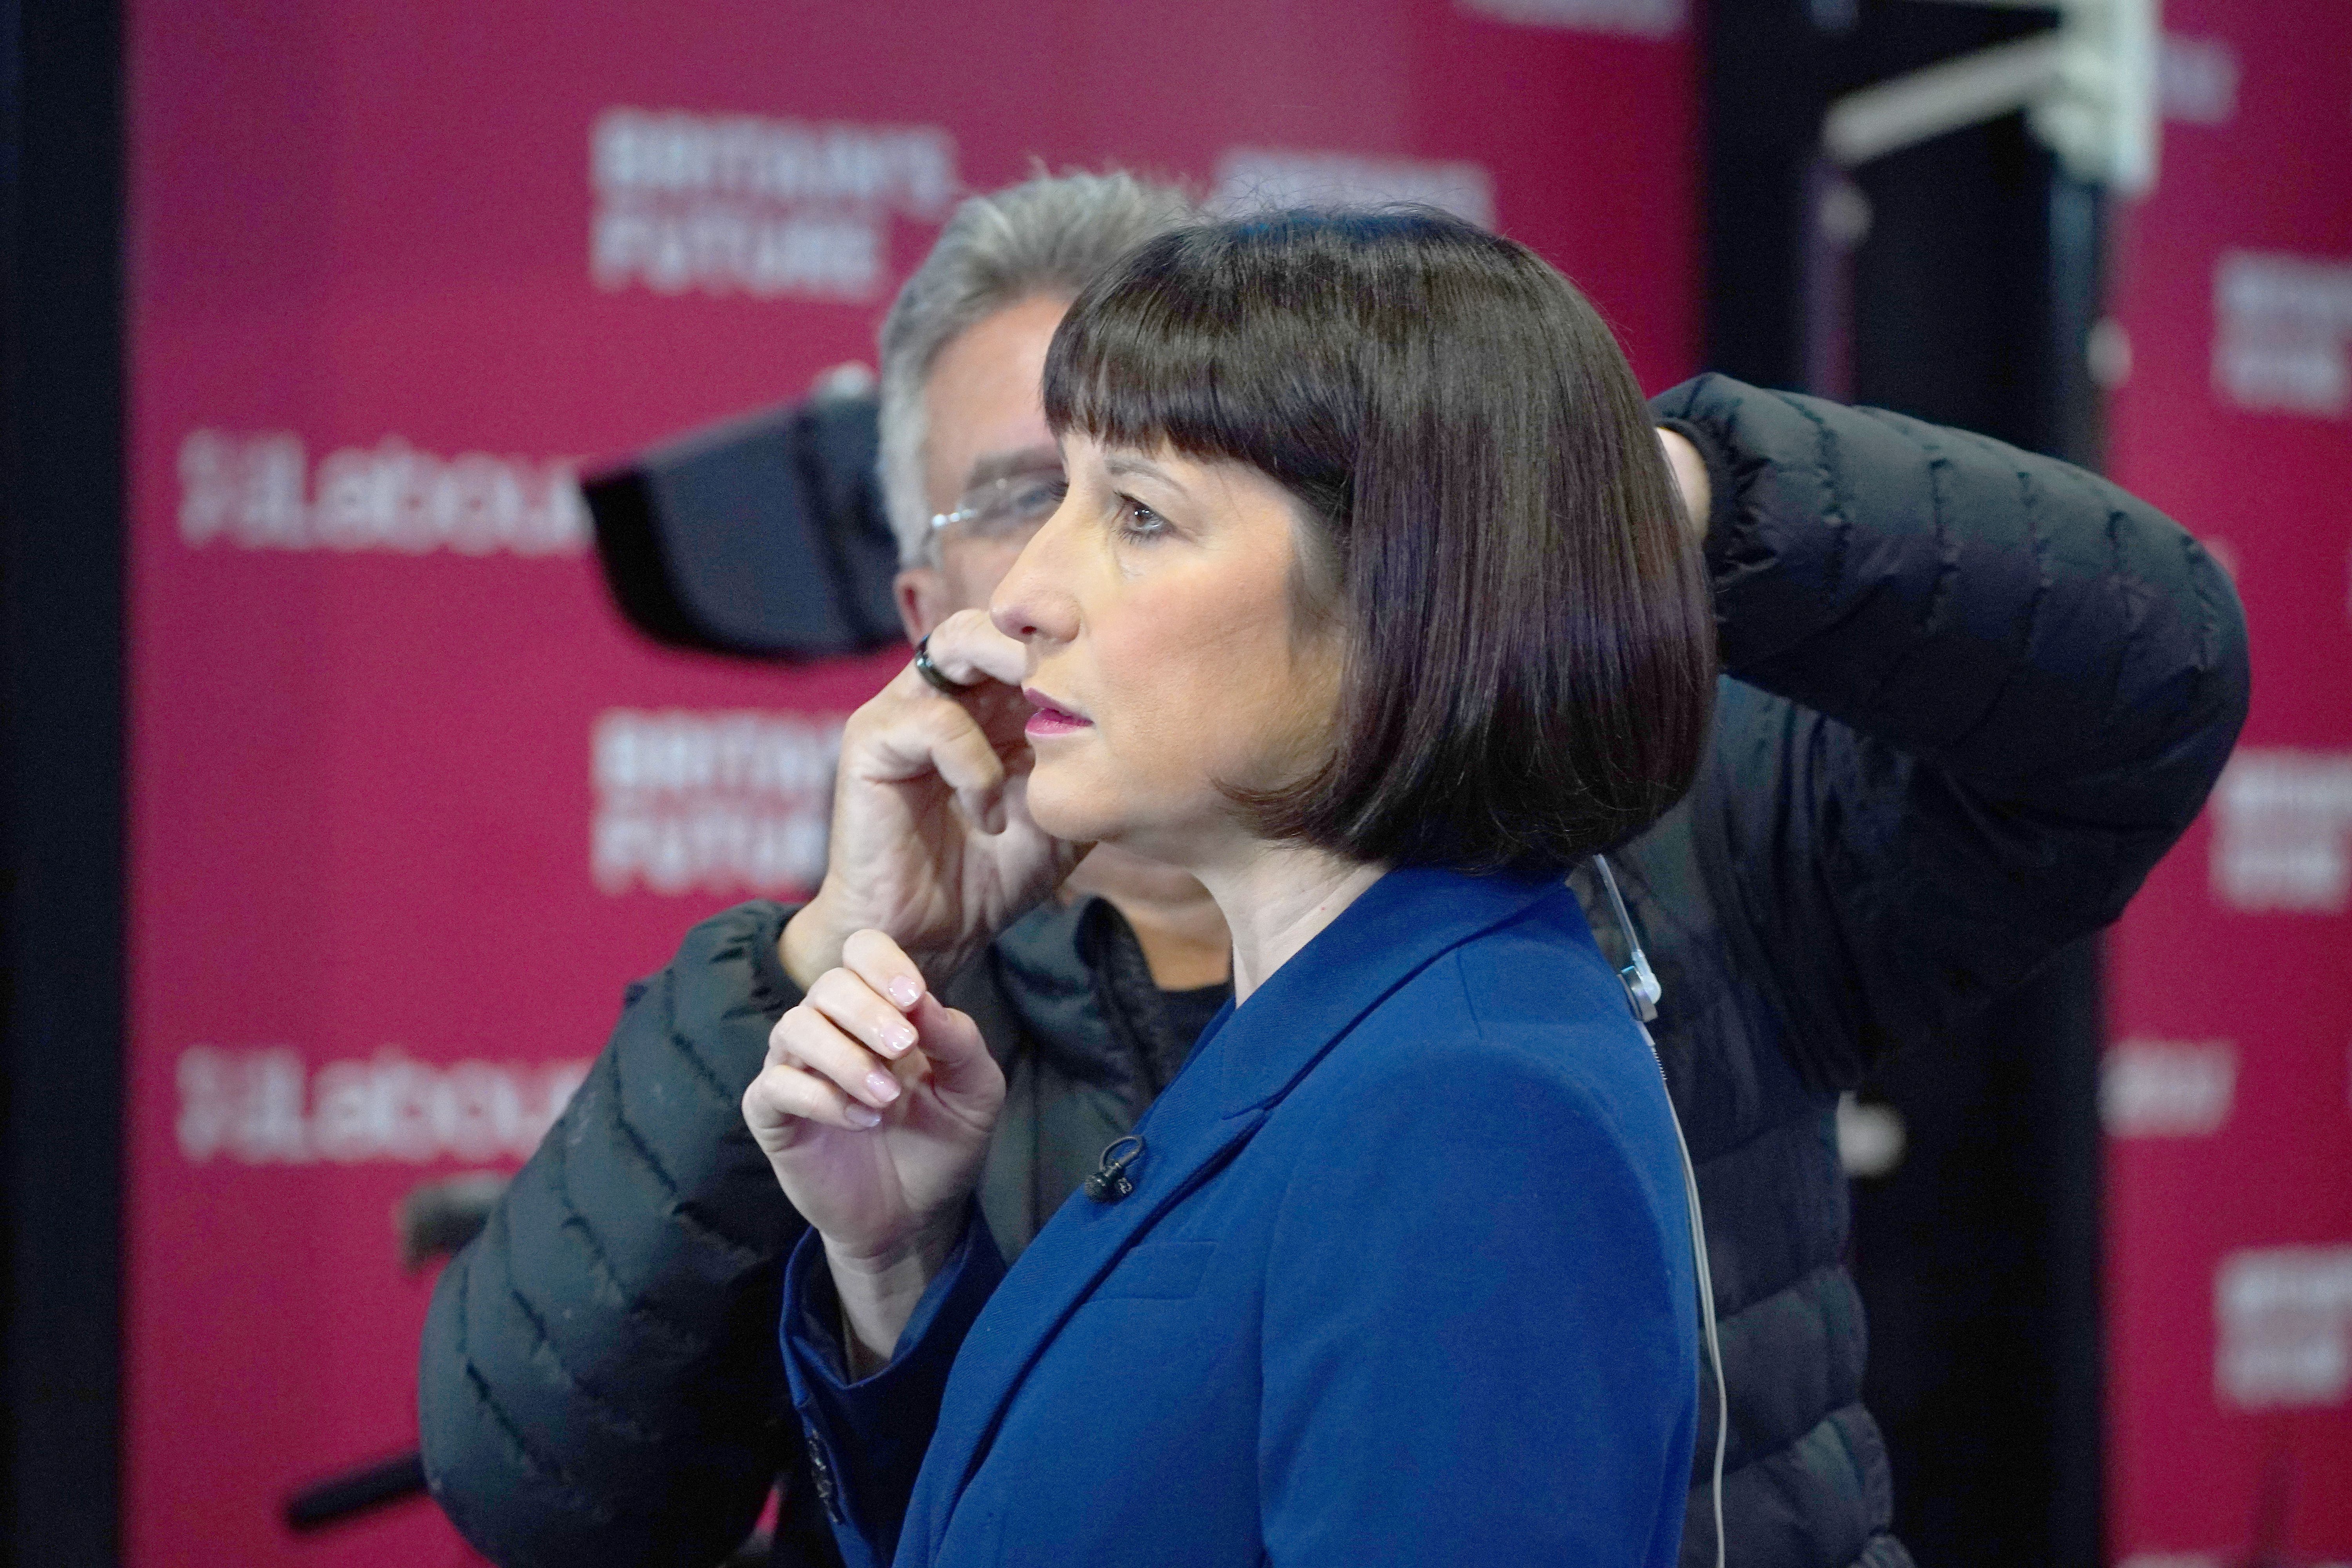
column 1370, row 605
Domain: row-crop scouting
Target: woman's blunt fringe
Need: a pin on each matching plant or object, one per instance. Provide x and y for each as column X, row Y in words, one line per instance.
column 1529, row 643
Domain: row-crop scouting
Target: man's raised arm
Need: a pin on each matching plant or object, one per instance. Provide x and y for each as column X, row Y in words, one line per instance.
column 1977, row 694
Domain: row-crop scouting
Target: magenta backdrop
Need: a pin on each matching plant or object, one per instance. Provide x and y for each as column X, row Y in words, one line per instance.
column 2227, row 1092
column 409, row 804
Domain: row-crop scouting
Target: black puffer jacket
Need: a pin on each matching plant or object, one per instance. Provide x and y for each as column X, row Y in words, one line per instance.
column 1972, row 695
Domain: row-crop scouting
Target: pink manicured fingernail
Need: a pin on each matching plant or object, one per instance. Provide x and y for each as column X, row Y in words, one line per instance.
column 882, row 1086
column 897, row 1039
column 905, row 992
column 862, row 1116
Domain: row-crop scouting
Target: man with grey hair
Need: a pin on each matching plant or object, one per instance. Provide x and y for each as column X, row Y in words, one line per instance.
column 1931, row 767
column 1043, row 240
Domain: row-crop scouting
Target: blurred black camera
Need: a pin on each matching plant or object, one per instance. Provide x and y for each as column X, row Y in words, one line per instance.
column 762, row 537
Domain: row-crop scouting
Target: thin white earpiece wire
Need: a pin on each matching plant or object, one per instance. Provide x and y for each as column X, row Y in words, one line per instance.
column 1706, row 1308
column 1643, row 992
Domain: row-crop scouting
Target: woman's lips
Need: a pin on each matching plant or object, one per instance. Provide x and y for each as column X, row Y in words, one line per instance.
column 1049, row 719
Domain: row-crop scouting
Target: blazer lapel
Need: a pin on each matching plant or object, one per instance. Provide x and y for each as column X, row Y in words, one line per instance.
column 1248, row 1060
column 1185, row 1142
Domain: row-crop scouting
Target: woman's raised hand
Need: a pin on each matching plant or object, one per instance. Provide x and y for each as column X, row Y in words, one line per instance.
column 932, row 842
column 874, row 1108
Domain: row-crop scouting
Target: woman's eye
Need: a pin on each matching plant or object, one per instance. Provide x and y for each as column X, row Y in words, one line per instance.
column 1137, row 521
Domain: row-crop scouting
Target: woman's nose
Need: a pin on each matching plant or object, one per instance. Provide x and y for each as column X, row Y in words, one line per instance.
column 1030, row 602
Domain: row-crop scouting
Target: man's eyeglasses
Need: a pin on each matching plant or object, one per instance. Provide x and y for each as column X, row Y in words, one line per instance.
column 1008, row 509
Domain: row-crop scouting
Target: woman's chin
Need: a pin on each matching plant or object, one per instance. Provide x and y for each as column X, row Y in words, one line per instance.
column 1074, row 815
column 1079, row 809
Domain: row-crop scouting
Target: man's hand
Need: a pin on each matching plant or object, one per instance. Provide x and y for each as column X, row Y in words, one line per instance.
column 932, row 841
column 1690, row 477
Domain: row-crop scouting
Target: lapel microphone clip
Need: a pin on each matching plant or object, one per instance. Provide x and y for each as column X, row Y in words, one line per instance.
column 1110, row 1183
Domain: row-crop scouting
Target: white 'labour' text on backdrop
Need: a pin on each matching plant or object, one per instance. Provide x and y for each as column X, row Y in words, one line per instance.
column 265, row 1106
column 258, row 491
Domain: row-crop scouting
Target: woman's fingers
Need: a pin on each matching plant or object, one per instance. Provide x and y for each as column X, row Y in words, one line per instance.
column 854, row 1022
column 857, row 1006
column 962, row 1071
column 805, row 1037
column 872, row 957
column 785, row 1093
column 829, row 1058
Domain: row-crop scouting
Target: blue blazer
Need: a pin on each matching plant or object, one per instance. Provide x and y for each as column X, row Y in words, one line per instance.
column 1404, row 1278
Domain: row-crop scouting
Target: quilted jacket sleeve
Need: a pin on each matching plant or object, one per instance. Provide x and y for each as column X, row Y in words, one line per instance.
column 1976, row 694
column 600, row 1383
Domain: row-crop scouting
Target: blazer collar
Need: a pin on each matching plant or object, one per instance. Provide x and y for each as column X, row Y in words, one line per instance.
column 1392, row 932
column 1246, row 1062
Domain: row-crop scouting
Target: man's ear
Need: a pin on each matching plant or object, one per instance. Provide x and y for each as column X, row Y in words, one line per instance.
column 921, row 595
